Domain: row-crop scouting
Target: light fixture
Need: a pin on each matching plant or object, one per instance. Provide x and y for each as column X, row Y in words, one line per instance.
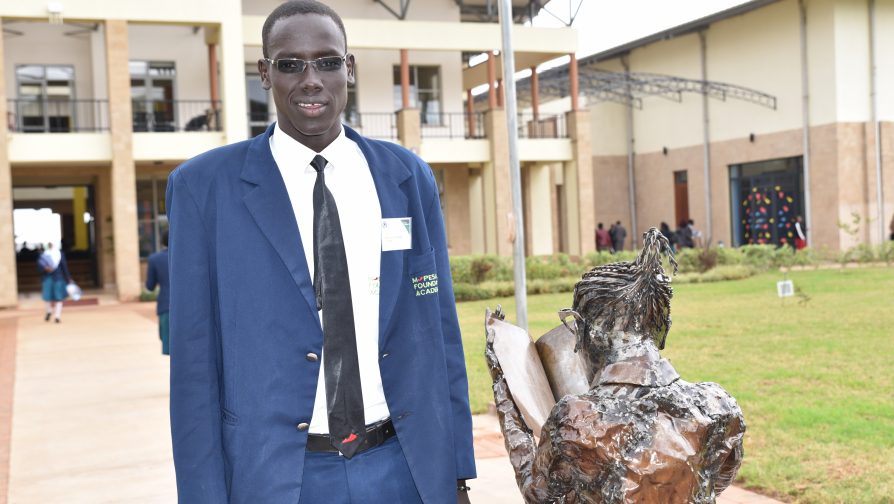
column 54, row 9
column 664, row 150
column 751, row 138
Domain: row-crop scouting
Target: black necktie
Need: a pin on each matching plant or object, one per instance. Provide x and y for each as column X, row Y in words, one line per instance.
column 344, row 398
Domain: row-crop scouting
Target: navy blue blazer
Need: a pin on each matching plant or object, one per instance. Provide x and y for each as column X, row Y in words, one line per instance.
column 157, row 275
column 243, row 320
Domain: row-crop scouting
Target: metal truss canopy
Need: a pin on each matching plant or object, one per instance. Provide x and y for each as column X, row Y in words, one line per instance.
column 629, row 88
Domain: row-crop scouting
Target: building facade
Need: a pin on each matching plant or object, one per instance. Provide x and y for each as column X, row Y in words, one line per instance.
column 776, row 108
column 102, row 99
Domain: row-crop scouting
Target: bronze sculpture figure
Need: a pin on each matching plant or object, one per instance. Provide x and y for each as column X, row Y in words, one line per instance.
column 640, row 434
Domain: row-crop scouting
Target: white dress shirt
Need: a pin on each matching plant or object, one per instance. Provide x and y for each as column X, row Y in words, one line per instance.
column 349, row 180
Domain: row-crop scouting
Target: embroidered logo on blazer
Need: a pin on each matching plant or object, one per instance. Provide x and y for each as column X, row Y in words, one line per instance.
column 424, row 285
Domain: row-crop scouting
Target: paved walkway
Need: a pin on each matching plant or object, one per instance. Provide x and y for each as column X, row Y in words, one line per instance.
column 88, row 402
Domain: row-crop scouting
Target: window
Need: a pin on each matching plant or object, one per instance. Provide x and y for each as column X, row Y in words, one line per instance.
column 259, row 115
column 351, row 116
column 765, row 198
column 152, row 93
column 152, row 218
column 45, row 98
column 425, row 92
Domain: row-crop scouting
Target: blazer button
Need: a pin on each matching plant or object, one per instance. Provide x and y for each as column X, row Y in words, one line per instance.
column 303, row 426
column 312, row 357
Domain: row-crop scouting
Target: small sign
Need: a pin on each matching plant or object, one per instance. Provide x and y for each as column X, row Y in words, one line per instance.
column 785, row 288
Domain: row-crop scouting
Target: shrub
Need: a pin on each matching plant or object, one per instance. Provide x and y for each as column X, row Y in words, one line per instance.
column 718, row 274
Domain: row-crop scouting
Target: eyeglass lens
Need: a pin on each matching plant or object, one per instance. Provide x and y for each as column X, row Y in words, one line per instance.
column 325, row 64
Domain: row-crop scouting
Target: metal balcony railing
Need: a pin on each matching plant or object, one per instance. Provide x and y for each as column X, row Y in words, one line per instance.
column 545, row 126
column 176, row 115
column 453, row 125
column 380, row 125
column 48, row 115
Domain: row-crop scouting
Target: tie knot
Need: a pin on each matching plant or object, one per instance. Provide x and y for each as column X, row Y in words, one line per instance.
column 319, row 163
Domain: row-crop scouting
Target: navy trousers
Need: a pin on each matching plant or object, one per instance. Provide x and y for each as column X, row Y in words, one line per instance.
column 376, row 476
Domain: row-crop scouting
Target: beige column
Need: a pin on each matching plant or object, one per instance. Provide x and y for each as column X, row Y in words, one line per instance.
column 476, row 212
column 409, row 128
column 540, row 213
column 456, row 193
column 8, row 279
column 499, row 221
column 105, row 244
column 578, row 177
column 123, row 180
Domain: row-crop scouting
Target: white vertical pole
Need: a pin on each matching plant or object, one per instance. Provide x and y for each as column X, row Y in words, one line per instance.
column 518, row 256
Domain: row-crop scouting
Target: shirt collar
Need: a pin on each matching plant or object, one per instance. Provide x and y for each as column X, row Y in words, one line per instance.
column 299, row 154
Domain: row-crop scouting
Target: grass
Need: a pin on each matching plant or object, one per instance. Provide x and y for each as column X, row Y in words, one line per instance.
column 815, row 380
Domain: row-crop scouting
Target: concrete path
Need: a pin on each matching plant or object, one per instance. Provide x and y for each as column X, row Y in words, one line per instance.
column 88, row 401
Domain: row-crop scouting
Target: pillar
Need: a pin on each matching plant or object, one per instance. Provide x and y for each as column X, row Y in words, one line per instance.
column 498, row 222
column 573, row 83
column 8, row 277
column 578, row 180
column 123, row 179
column 105, row 242
column 456, row 193
column 409, row 128
column 491, row 78
column 540, row 213
column 470, row 113
column 535, row 93
column 79, row 207
column 404, row 79
column 476, row 212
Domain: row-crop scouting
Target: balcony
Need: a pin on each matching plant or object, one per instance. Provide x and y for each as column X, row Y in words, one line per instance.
column 544, row 126
column 38, row 115
column 454, row 125
column 176, row 115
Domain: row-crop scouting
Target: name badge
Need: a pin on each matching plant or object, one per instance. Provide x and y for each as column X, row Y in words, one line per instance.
column 397, row 234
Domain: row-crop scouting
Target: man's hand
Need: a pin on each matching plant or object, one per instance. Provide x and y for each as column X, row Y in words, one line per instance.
column 462, row 492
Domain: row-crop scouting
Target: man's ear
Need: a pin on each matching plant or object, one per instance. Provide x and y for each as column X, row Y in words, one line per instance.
column 263, row 69
column 350, row 63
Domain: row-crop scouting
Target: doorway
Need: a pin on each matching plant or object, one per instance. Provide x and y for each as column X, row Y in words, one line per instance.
column 62, row 215
column 681, row 197
column 765, row 198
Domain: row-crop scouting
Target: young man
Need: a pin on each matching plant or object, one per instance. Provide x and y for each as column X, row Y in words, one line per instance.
column 157, row 275
column 316, row 355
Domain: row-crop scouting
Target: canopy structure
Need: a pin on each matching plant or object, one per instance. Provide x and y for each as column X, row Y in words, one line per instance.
column 629, row 88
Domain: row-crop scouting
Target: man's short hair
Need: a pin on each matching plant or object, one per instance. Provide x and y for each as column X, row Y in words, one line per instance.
column 294, row 8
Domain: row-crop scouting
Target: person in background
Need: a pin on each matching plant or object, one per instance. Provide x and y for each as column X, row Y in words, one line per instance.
column 800, row 233
column 603, row 240
column 891, row 228
column 695, row 234
column 157, row 276
column 684, row 236
column 56, row 278
column 670, row 235
column 619, row 235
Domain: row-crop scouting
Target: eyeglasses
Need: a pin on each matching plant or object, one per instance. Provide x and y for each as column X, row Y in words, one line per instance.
column 296, row 66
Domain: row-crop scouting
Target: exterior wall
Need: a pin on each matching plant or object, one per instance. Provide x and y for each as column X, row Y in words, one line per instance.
column 375, row 78
column 663, row 122
column 418, row 11
column 760, row 50
column 45, row 44
column 178, row 44
column 610, row 192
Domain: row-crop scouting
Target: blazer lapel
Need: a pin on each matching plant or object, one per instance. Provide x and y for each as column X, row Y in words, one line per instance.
column 269, row 205
column 388, row 173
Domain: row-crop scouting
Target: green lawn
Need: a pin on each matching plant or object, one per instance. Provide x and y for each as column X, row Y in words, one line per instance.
column 815, row 380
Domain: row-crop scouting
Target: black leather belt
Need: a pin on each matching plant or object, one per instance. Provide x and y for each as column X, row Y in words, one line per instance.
column 376, row 434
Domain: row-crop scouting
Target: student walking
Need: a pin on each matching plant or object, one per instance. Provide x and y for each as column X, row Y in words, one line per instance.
column 55, row 279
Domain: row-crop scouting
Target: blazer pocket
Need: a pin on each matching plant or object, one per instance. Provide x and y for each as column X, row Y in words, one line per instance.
column 423, row 273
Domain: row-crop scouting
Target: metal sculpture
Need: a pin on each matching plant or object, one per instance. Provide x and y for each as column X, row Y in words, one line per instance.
column 640, row 434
